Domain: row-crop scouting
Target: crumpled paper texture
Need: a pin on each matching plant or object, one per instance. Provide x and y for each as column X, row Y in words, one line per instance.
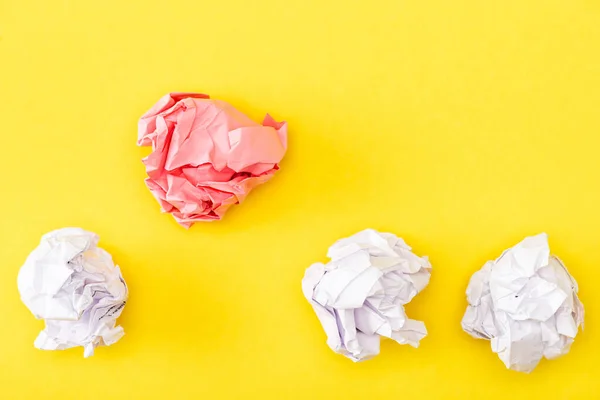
column 74, row 286
column 359, row 295
column 526, row 303
column 206, row 155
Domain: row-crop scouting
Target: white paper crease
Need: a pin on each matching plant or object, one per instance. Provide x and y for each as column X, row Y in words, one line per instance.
column 359, row 295
column 76, row 289
column 526, row 303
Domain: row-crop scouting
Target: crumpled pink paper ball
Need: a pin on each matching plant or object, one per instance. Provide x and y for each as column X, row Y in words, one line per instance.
column 206, row 155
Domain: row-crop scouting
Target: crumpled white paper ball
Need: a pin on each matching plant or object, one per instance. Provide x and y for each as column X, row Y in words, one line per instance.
column 359, row 295
column 526, row 303
column 75, row 287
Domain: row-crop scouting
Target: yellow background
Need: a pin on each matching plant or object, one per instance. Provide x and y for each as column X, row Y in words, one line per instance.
column 462, row 126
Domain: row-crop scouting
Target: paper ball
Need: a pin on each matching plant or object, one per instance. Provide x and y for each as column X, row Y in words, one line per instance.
column 206, row 155
column 526, row 303
column 76, row 289
column 359, row 295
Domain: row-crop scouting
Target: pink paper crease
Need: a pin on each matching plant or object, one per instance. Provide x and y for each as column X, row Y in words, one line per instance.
column 206, row 155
